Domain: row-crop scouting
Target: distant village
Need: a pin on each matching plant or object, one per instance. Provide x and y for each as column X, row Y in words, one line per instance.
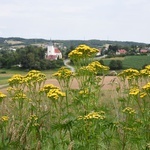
column 57, row 50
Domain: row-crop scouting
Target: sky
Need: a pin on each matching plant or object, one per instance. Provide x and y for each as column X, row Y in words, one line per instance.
column 117, row 20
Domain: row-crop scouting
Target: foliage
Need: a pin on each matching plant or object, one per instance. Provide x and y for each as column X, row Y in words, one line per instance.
column 115, row 65
column 38, row 116
column 30, row 57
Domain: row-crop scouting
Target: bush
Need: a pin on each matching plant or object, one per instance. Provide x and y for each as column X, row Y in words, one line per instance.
column 115, row 65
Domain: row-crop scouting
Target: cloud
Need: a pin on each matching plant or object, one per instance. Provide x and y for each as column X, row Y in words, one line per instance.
column 116, row 19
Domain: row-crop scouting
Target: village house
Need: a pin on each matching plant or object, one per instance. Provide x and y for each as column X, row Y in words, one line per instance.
column 121, row 52
column 99, row 53
column 143, row 51
column 53, row 53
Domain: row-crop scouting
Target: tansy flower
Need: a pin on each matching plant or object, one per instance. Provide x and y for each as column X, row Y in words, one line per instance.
column 48, row 87
column 55, row 94
column 34, row 76
column 129, row 73
column 16, row 79
column 142, row 94
column 93, row 115
column 129, row 110
column 19, row 96
column 146, row 87
column 2, row 96
column 134, row 91
column 4, row 118
column 82, row 51
column 63, row 73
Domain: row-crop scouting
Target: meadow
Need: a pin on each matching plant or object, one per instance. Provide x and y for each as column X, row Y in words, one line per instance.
column 38, row 115
column 5, row 74
column 136, row 62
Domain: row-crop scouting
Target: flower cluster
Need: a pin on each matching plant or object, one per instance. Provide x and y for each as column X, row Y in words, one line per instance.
column 98, row 67
column 34, row 77
column 4, row 118
column 31, row 78
column 86, row 70
column 143, row 94
column 84, row 92
column 63, row 73
column 146, row 87
column 34, row 120
column 129, row 110
column 82, row 51
column 93, row 115
column 52, row 91
column 94, row 67
column 55, row 94
column 134, row 91
column 129, row 74
column 2, row 95
column 19, row 96
column 145, row 72
column 48, row 87
column 16, row 80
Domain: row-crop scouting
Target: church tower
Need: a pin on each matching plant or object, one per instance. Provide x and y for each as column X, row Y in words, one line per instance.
column 50, row 49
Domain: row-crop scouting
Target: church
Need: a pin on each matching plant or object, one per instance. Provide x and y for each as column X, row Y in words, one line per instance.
column 53, row 53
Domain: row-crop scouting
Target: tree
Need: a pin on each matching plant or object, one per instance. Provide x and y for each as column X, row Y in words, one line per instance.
column 115, row 64
column 32, row 57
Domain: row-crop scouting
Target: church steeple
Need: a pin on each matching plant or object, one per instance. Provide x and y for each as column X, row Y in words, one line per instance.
column 50, row 43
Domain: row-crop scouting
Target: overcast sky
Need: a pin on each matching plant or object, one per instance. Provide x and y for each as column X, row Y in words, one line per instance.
column 120, row 20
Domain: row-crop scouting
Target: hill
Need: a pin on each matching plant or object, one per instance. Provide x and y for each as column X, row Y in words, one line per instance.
column 17, row 41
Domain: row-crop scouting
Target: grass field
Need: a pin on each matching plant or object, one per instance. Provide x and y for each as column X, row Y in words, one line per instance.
column 136, row 62
column 6, row 74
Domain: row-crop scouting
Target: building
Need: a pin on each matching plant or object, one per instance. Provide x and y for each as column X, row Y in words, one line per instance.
column 121, row 52
column 53, row 53
column 143, row 51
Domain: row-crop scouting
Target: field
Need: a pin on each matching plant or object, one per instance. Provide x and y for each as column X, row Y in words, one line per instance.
column 5, row 74
column 136, row 62
column 76, row 111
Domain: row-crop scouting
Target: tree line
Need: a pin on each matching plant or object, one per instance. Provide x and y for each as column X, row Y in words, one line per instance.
column 29, row 57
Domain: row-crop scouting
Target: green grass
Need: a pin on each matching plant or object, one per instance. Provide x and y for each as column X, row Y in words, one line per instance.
column 4, row 80
column 136, row 62
column 6, row 74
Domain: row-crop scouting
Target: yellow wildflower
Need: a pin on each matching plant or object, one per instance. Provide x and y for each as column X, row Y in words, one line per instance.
column 48, row 87
column 93, row 115
column 2, row 95
column 63, row 73
column 4, row 118
column 134, row 91
column 19, row 96
column 129, row 110
column 55, row 94
column 16, row 79
column 129, row 73
column 146, row 87
column 82, row 51
column 34, row 77
column 142, row 94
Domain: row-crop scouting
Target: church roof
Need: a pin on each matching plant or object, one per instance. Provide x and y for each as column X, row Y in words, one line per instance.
column 57, row 50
